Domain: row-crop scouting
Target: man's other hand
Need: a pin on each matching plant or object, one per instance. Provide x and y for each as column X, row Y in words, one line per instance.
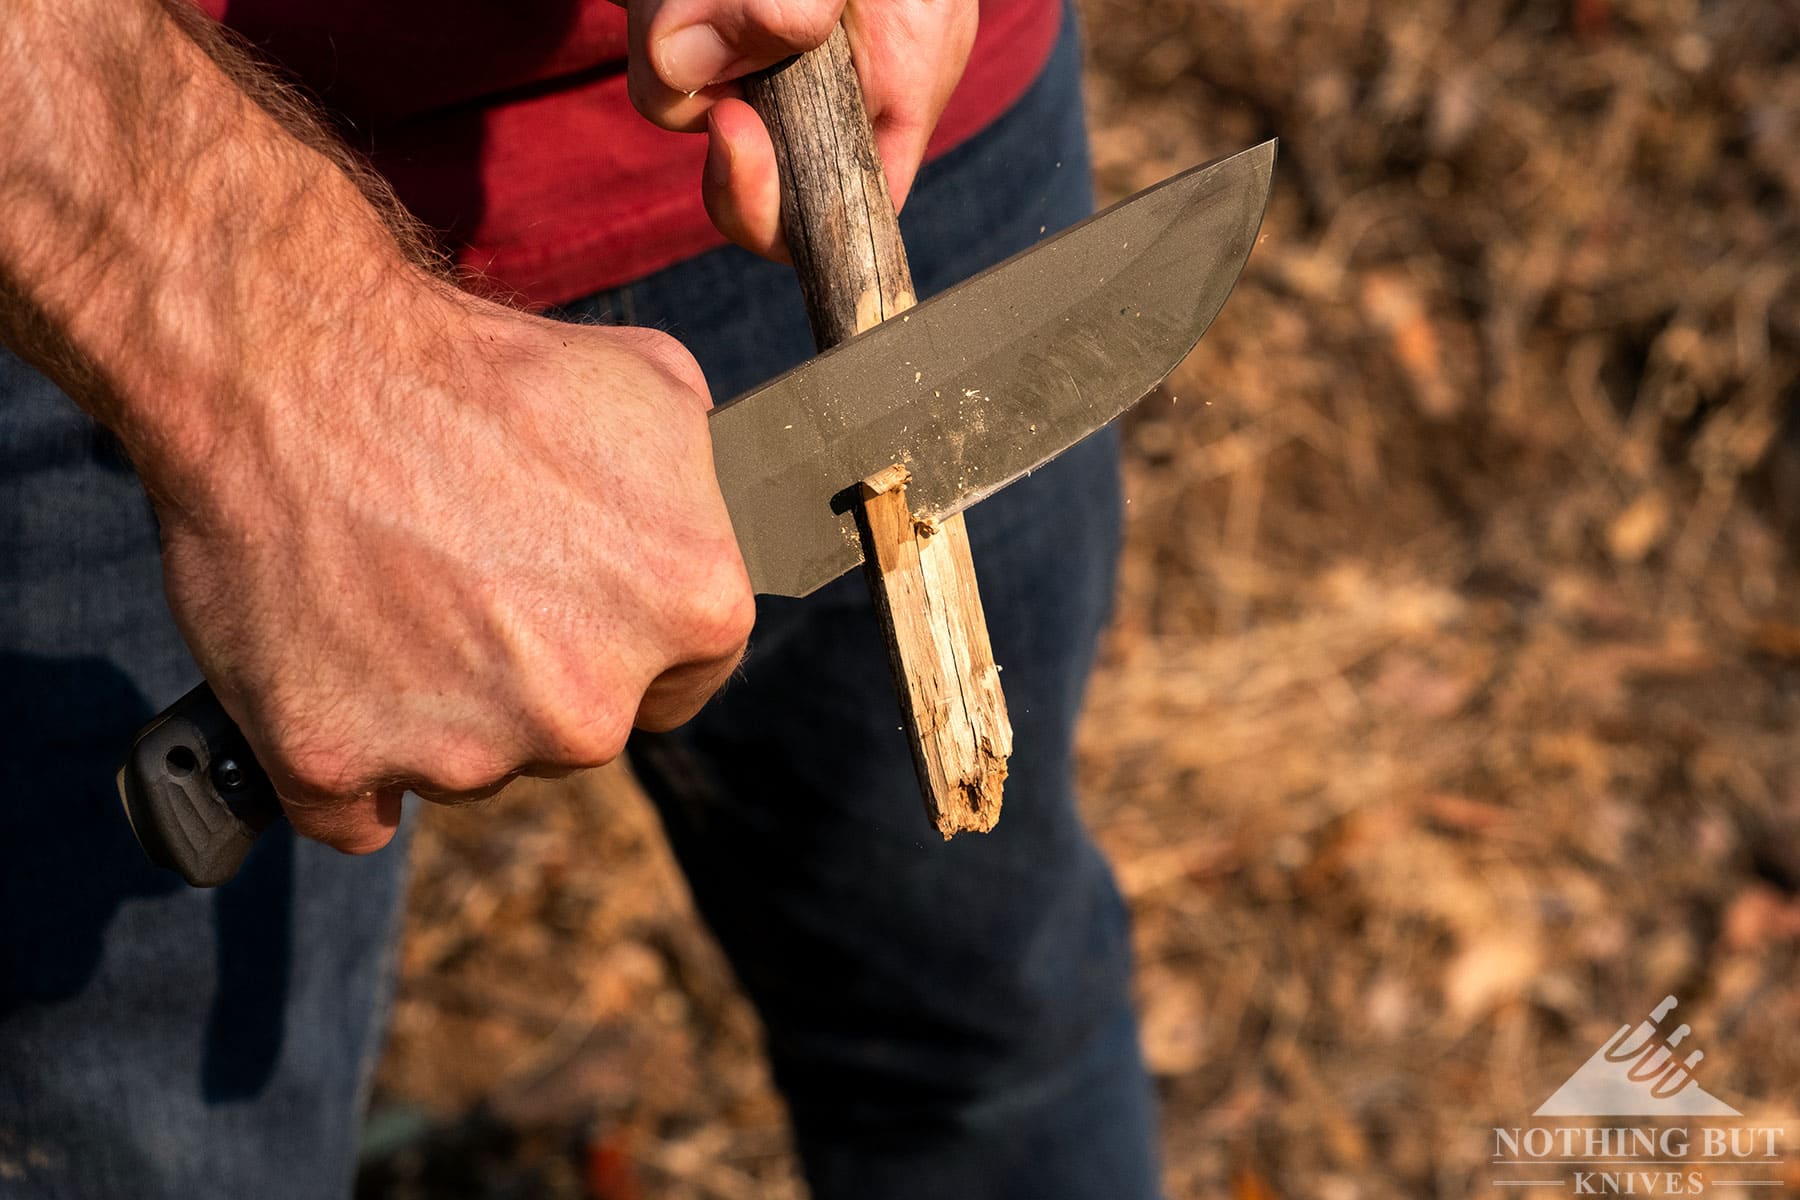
column 686, row 55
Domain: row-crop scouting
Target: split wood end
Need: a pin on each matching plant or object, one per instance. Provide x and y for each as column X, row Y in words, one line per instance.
column 954, row 712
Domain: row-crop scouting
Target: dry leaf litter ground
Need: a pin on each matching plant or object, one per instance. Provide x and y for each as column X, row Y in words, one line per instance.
column 1448, row 718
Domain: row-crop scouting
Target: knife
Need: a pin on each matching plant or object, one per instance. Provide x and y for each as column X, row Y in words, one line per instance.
column 972, row 389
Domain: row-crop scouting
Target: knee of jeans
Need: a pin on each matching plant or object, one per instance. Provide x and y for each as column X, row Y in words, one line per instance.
column 1043, row 1006
column 984, row 1030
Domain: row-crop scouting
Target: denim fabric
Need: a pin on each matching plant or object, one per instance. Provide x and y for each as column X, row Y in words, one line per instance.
column 155, row 1041
column 945, row 1019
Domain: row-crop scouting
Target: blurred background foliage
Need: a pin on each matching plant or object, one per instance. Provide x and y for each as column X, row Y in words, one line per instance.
column 1448, row 718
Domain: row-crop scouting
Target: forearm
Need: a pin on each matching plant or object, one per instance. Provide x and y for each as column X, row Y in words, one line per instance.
column 168, row 245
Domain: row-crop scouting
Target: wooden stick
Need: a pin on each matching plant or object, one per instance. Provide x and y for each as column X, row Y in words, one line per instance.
column 921, row 578
column 842, row 233
column 836, row 213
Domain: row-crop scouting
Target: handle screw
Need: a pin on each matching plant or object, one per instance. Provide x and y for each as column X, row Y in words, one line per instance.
column 227, row 775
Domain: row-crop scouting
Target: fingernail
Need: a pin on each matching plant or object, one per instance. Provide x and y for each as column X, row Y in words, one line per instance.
column 691, row 58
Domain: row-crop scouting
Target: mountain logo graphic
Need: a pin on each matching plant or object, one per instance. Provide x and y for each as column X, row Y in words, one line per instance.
column 1637, row 1074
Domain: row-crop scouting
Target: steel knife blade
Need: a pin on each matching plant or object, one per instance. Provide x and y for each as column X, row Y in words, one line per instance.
column 991, row 379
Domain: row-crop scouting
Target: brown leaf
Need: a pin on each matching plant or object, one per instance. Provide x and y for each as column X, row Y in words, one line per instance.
column 611, row 1174
column 1636, row 531
column 1247, row 1183
column 1173, row 1025
column 1393, row 306
column 1760, row 915
column 1490, row 972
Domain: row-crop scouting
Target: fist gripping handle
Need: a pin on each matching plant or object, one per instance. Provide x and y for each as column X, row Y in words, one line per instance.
column 194, row 794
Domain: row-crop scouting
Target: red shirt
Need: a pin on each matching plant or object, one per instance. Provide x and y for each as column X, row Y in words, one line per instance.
column 512, row 135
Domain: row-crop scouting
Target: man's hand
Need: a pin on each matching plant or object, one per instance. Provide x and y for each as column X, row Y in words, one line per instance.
column 488, row 547
column 414, row 539
column 686, row 54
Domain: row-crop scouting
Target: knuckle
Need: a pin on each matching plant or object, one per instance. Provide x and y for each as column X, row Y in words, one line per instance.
column 358, row 839
column 720, row 614
column 318, row 768
column 587, row 738
column 346, row 826
column 455, row 774
column 670, row 357
column 577, row 718
column 310, row 746
column 797, row 24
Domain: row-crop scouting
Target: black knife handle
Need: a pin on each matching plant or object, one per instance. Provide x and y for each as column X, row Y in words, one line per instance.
column 195, row 796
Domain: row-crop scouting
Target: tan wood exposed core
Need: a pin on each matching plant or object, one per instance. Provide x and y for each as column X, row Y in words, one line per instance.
column 923, row 583
column 841, row 231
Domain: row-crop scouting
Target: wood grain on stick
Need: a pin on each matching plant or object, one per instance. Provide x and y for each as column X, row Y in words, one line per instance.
column 841, row 231
column 923, row 583
column 836, row 213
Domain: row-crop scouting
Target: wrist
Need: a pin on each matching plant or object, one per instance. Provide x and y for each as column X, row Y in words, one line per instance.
column 281, row 347
column 180, row 260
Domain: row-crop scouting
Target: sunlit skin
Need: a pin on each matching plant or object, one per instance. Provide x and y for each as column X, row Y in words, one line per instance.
column 415, row 540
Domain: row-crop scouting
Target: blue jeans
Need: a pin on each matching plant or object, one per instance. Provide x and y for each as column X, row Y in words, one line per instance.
column 944, row 1019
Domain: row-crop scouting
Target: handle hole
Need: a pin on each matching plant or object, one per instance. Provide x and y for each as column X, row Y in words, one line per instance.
column 181, row 761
